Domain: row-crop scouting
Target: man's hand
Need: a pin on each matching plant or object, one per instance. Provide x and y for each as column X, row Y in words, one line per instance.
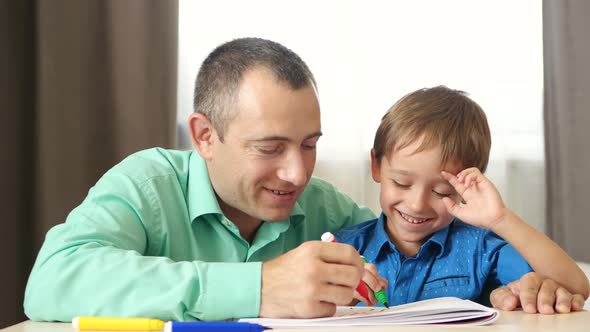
column 310, row 280
column 536, row 294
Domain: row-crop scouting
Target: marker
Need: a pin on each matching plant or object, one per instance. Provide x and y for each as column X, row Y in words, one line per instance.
column 213, row 327
column 361, row 288
column 117, row 324
column 380, row 295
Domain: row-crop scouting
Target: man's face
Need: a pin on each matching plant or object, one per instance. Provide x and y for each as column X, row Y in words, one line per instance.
column 411, row 195
column 269, row 149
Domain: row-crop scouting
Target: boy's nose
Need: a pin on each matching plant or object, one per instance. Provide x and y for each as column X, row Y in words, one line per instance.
column 418, row 201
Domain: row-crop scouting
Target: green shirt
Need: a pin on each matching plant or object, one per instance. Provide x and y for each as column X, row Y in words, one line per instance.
column 150, row 240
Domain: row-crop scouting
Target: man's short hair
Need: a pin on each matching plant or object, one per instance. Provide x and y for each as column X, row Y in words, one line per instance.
column 441, row 116
column 220, row 75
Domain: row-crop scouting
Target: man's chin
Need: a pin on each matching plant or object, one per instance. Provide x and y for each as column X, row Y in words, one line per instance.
column 276, row 215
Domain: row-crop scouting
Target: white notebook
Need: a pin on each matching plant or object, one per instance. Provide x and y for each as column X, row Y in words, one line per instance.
column 444, row 310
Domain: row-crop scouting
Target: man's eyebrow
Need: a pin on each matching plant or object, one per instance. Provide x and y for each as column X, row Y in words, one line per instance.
column 283, row 138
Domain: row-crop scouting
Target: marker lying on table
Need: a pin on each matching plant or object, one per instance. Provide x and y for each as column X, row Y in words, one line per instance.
column 213, row 327
column 116, row 324
column 361, row 288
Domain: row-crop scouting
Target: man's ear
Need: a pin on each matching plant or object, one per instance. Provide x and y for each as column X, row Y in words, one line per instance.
column 202, row 134
column 375, row 167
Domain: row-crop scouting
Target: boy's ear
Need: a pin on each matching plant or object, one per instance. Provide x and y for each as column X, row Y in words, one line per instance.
column 202, row 134
column 375, row 167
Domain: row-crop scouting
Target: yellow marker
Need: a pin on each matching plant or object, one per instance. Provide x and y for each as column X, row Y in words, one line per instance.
column 117, row 324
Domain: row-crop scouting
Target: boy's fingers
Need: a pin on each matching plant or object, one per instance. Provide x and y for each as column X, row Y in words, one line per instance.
column 455, row 182
column 464, row 173
column 371, row 277
column 451, row 206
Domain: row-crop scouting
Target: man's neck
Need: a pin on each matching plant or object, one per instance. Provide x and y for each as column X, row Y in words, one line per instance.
column 247, row 225
column 248, row 230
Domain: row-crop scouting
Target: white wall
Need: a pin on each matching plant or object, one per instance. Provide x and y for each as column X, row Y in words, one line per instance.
column 367, row 54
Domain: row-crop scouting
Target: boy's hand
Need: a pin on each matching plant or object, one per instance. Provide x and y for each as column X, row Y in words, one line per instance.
column 374, row 283
column 482, row 205
column 535, row 294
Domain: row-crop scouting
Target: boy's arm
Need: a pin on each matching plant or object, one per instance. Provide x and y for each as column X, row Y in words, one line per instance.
column 482, row 206
column 542, row 254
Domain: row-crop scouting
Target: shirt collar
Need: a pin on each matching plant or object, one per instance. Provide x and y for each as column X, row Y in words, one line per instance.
column 379, row 240
column 437, row 242
column 201, row 196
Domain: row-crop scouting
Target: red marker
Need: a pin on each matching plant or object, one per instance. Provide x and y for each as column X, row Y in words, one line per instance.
column 361, row 288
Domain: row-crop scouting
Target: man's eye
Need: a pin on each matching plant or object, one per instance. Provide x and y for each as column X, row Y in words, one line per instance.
column 309, row 146
column 267, row 150
column 397, row 184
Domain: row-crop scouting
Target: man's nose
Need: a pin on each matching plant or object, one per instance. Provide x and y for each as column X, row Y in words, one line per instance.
column 293, row 169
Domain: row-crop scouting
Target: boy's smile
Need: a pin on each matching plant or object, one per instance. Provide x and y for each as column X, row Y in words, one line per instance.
column 412, row 219
column 411, row 194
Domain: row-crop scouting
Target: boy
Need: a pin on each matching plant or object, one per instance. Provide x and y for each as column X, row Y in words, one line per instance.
column 442, row 234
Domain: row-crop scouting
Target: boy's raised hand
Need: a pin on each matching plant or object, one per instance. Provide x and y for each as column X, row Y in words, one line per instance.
column 481, row 205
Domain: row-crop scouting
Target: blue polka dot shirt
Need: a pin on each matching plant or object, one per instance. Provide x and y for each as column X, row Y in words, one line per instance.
column 459, row 260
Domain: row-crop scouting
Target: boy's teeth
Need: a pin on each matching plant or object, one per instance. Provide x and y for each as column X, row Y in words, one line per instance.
column 279, row 192
column 412, row 219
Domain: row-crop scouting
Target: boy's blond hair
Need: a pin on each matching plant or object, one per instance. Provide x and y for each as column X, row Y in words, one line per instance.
column 441, row 116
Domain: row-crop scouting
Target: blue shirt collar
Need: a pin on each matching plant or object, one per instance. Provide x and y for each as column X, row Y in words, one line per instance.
column 378, row 241
column 436, row 242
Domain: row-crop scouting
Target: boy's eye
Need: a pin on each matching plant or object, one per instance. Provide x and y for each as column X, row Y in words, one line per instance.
column 397, row 184
column 441, row 195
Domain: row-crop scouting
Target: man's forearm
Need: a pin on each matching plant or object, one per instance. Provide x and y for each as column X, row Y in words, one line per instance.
column 95, row 280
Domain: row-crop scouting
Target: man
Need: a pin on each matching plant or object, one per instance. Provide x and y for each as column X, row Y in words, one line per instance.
column 181, row 235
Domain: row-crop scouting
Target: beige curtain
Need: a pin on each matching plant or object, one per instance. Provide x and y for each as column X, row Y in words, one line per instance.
column 82, row 85
column 567, row 120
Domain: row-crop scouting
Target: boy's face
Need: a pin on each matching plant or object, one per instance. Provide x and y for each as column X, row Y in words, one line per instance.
column 411, row 194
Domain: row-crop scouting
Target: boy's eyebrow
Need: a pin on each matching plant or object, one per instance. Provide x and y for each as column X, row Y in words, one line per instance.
column 439, row 179
column 283, row 138
column 401, row 171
